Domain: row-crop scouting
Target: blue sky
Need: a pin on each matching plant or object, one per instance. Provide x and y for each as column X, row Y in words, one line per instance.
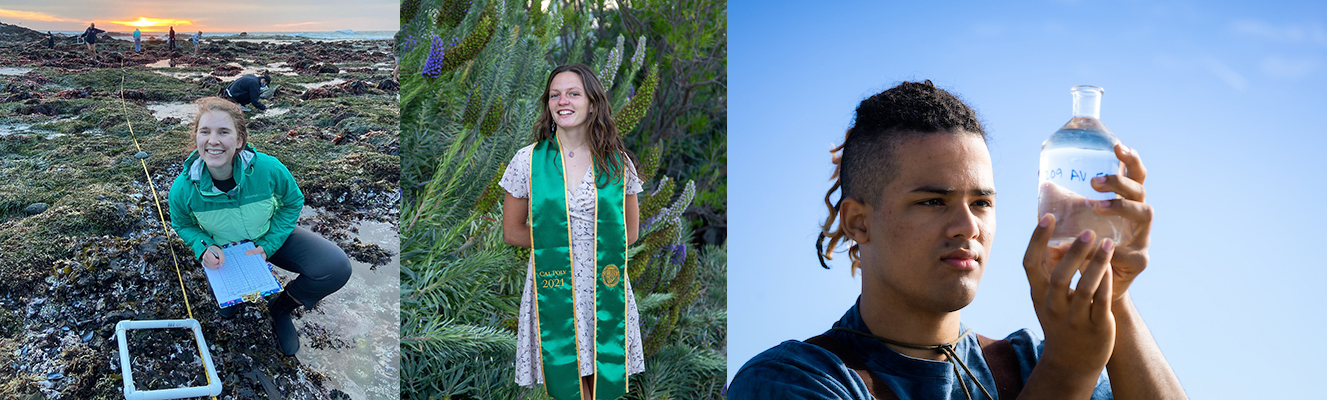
column 1223, row 100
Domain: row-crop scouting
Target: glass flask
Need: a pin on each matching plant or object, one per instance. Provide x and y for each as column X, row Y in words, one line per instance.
column 1081, row 150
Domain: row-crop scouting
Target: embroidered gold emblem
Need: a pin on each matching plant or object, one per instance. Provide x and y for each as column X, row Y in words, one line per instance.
column 611, row 275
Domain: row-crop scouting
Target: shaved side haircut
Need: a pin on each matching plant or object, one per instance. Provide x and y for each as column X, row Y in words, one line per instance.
column 864, row 163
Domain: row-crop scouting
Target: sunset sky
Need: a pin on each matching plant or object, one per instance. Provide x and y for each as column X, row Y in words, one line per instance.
column 228, row 16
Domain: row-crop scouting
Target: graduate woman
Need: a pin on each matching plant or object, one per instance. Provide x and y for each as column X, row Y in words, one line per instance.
column 571, row 197
column 229, row 192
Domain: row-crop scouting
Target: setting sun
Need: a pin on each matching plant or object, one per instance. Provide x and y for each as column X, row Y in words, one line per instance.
column 144, row 22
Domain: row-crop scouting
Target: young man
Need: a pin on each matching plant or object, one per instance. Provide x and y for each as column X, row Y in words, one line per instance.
column 918, row 202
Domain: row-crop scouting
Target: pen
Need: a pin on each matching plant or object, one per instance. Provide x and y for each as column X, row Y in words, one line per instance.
column 214, row 253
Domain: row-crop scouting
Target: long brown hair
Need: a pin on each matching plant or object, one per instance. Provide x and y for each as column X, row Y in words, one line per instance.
column 603, row 137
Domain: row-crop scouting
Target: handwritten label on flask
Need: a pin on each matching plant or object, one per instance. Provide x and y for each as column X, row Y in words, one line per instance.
column 1073, row 169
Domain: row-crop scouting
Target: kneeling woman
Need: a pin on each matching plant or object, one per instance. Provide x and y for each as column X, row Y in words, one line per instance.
column 229, row 192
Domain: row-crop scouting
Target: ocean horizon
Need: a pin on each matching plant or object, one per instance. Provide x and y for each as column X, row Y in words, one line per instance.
column 345, row 34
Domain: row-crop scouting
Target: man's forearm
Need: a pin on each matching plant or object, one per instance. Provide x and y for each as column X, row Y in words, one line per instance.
column 1051, row 382
column 1137, row 369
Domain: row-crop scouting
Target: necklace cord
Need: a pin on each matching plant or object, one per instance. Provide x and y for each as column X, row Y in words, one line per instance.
column 573, row 149
column 944, row 348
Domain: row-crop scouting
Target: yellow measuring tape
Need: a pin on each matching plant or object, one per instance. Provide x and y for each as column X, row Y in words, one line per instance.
column 161, row 216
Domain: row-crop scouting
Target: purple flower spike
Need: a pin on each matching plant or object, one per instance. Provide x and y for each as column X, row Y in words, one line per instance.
column 433, row 65
column 679, row 254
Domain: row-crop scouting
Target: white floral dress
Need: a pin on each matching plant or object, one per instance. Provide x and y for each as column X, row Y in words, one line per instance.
column 516, row 180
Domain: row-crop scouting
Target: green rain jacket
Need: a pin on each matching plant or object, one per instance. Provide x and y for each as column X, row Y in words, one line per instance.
column 263, row 206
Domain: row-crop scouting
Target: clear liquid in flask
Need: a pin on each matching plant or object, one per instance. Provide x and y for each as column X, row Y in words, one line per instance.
column 1079, row 151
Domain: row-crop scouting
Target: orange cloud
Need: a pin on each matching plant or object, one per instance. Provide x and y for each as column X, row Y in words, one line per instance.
column 32, row 16
column 144, row 22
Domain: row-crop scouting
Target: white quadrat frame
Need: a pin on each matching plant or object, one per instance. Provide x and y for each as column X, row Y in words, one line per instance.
column 130, row 393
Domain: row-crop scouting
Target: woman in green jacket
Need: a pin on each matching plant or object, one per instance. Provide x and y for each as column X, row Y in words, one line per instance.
column 229, row 192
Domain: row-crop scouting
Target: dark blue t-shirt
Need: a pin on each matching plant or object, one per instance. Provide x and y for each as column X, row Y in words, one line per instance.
column 796, row 370
column 90, row 35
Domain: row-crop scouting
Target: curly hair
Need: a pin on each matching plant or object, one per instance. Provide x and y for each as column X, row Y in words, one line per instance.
column 603, row 135
column 864, row 164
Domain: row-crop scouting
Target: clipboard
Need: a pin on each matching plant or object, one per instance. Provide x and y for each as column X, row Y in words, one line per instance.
column 243, row 278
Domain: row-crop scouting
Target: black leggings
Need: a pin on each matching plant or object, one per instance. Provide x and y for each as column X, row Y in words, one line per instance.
column 323, row 267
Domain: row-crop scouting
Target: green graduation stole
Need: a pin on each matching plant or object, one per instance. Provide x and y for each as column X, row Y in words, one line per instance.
column 550, row 231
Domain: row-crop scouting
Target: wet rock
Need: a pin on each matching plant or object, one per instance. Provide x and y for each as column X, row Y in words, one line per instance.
column 118, row 316
column 37, row 78
column 17, row 34
column 36, row 208
column 21, row 96
column 300, row 64
column 20, row 86
column 226, row 70
column 389, row 85
column 367, row 253
column 268, row 385
column 80, row 93
column 130, row 94
column 142, row 155
column 316, row 93
column 165, row 359
column 353, row 87
column 328, row 69
column 39, row 108
column 209, row 81
column 10, row 324
column 191, row 60
column 150, row 246
column 356, row 87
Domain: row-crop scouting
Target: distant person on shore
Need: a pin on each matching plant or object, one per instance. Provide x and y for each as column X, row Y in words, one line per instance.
column 197, row 39
column 138, row 44
column 90, row 37
column 171, row 40
column 50, row 40
column 247, row 90
column 229, row 192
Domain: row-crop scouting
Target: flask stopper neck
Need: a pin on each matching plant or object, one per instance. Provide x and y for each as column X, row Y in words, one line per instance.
column 1087, row 101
